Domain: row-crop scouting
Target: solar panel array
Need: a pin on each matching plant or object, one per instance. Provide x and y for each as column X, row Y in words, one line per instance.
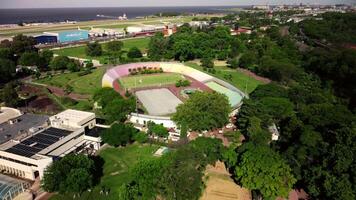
column 38, row 142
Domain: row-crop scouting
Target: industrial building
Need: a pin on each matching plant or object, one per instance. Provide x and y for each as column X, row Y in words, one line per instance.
column 144, row 30
column 46, row 39
column 28, row 154
column 62, row 36
column 103, row 32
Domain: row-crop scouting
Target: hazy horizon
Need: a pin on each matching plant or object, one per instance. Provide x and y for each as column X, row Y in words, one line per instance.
column 156, row 3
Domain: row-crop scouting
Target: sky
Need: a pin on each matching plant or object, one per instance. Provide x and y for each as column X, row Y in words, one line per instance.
column 147, row 3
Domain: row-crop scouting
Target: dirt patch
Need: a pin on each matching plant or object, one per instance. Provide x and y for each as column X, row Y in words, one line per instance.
column 255, row 76
column 61, row 93
column 219, row 185
column 43, row 104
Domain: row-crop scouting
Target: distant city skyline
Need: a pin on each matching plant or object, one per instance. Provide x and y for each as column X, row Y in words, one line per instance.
column 155, row 3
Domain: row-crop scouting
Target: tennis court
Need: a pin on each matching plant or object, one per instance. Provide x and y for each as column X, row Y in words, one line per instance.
column 150, row 80
column 234, row 97
column 158, row 101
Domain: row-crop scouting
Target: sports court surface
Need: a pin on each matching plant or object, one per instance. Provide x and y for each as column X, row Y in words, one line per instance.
column 234, row 97
column 158, row 101
column 150, row 80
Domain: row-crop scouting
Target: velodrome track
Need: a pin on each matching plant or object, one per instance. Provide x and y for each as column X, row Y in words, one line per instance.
column 112, row 75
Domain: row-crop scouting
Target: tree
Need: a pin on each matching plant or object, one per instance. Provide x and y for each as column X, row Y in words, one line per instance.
column 134, row 52
column 233, row 63
column 260, row 168
column 46, row 58
column 94, row 49
column 203, row 111
column 157, row 129
column 72, row 173
column 73, row 66
column 21, row 43
column 59, row 62
column 140, row 137
column 157, row 47
column 119, row 134
column 78, row 180
column 248, row 60
column 7, row 70
column 9, row 95
column 6, row 53
column 115, row 46
column 118, row 109
column 29, row 59
column 183, row 50
column 207, row 62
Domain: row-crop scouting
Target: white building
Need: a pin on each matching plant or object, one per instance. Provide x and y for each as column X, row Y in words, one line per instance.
column 69, row 131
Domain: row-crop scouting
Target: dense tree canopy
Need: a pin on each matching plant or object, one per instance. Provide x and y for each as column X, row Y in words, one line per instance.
column 7, row 70
column 73, row 173
column 260, row 168
column 94, row 49
column 113, row 106
column 115, row 45
column 203, row 111
column 9, row 95
column 119, row 134
column 134, row 52
column 176, row 175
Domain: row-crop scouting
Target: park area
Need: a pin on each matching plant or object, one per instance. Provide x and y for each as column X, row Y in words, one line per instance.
column 149, row 80
column 116, row 170
column 86, row 84
column 79, row 51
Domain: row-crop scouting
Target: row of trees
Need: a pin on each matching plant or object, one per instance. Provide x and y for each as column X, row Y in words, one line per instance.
column 188, row 44
column 114, row 50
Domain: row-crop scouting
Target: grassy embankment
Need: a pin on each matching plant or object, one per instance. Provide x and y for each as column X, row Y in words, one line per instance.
column 240, row 80
column 116, row 170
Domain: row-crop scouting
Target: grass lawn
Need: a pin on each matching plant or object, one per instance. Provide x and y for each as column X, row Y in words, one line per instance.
column 141, row 43
column 117, row 165
column 86, row 84
column 238, row 79
column 148, row 80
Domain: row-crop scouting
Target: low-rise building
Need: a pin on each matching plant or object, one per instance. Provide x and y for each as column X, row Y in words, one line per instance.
column 70, row 131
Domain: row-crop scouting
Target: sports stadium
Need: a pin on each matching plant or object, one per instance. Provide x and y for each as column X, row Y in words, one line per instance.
column 154, row 85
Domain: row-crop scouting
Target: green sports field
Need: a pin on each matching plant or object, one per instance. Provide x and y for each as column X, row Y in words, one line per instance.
column 149, row 80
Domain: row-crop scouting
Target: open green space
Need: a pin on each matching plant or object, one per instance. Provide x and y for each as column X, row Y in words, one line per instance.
column 116, row 170
column 79, row 51
column 149, row 80
column 86, row 84
column 240, row 80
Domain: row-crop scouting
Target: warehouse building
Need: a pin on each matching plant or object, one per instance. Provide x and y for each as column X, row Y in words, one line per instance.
column 46, row 39
column 70, row 131
column 62, row 36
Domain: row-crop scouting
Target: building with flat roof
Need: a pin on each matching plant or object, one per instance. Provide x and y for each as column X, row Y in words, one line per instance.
column 69, row 35
column 14, row 124
column 70, row 131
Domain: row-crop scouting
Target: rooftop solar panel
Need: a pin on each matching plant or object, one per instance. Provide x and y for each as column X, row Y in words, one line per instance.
column 24, row 150
column 38, row 142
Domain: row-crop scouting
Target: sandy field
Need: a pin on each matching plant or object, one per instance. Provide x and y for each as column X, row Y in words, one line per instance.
column 219, row 185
